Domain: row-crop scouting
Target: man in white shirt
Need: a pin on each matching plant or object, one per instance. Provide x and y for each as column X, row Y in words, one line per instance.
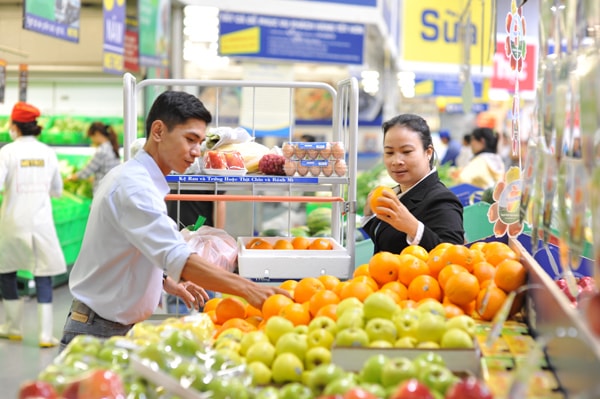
column 132, row 249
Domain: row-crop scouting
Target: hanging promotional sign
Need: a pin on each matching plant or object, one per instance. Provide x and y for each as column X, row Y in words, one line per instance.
column 59, row 19
column 114, row 36
column 503, row 76
column 154, row 18
column 431, row 32
column 23, row 72
column 267, row 36
column 131, row 45
column 2, row 80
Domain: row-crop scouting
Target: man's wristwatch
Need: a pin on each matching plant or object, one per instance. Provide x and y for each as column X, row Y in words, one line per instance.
column 164, row 278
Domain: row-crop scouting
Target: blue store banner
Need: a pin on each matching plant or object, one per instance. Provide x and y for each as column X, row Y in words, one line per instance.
column 447, row 85
column 114, row 36
column 266, row 36
column 59, row 19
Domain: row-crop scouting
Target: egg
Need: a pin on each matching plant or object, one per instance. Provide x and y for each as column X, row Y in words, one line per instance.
column 326, row 152
column 337, row 150
column 315, row 170
column 327, row 170
column 312, row 153
column 288, row 150
column 340, row 167
column 289, row 167
column 302, row 169
column 300, row 152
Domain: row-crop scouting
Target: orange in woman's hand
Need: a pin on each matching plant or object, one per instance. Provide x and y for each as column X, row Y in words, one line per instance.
column 376, row 194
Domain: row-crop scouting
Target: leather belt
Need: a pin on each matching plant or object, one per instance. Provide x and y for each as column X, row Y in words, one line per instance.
column 84, row 314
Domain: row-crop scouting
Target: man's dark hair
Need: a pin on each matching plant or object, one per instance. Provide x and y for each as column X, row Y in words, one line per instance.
column 174, row 108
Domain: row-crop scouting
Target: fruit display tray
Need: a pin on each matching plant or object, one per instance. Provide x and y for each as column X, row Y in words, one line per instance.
column 273, row 265
column 457, row 360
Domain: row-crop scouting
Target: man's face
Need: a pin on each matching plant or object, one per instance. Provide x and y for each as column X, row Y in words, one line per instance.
column 179, row 147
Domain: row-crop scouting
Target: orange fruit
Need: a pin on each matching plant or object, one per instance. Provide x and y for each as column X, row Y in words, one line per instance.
column 306, row 288
column 357, row 289
column 458, row 255
column 391, row 294
column 496, row 251
column 252, row 311
column 212, row 315
column 436, row 261
column 447, row 272
column 338, row 288
column 417, row 251
column 383, row 267
column 254, row 320
column 462, row 288
column 230, row 308
column 408, row 304
column 320, row 299
column 452, row 310
column 259, row 243
column 442, row 245
column 289, row 285
column 283, row 244
column 273, row 304
column 297, row 313
column 320, row 244
column 378, row 193
column 489, row 301
column 510, row 275
column 328, row 310
column 469, row 308
column 398, row 288
column 484, row 271
column 300, row 242
column 362, row 270
column 477, row 245
column 369, row 280
column 329, row 281
column 410, row 267
column 424, row 286
column 211, row 304
column 238, row 323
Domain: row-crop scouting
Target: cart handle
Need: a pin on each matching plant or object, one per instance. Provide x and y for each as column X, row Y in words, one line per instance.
column 249, row 198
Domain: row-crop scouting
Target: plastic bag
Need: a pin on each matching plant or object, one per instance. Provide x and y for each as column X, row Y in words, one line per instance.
column 213, row 245
column 217, row 137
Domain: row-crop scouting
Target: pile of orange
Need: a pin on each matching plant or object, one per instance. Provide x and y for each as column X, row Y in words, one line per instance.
column 319, row 243
column 471, row 280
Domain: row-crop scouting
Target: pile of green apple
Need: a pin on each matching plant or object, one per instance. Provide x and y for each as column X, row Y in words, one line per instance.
column 380, row 322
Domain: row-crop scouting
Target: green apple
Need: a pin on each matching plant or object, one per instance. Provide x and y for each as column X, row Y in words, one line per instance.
column 351, row 318
column 371, row 368
column 114, row 355
column 301, row 329
column 287, row 367
column 225, row 358
column 157, row 353
column 380, row 344
column 430, row 327
column 437, row 378
column 230, row 333
column 250, row 338
column 380, row 329
column 377, row 390
column 406, row 322
column 225, row 388
column 341, row 385
column 379, row 304
column 292, row 343
column 276, row 326
column 295, row 390
column 315, row 356
column 422, row 360
column 347, row 303
column 323, row 323
column 396, row 370
column 406, row 342
column 228, row 344
column 320, row 337
column 464, row 322
column 84, row 344
column 432, row 306
column 261, row 373
column 456, row 338
column 268, row 392
column 321, row 375
column 428, row 345
column 261, row 352
column 352, row 336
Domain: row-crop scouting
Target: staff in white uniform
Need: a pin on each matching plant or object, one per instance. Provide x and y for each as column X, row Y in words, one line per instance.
column 29, row 176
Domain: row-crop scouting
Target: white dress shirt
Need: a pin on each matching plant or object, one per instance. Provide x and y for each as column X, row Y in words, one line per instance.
column 128, row 242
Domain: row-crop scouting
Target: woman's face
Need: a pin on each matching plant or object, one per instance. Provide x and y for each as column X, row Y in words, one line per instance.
column 477, row 144
column 404, row 157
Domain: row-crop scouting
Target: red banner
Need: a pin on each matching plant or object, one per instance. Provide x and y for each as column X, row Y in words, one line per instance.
column 503, row 77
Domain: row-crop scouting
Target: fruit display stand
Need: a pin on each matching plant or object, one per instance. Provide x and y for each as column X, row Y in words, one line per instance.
column 572, row 350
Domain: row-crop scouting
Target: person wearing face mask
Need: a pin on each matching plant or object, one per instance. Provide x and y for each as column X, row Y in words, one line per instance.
column 105, row 158
column 29, row 176
column 424, row 211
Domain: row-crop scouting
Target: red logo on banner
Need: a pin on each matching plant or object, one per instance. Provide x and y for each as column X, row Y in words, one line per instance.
column 503, row 77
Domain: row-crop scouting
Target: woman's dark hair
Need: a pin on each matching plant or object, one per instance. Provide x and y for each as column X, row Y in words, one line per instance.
column 108, row 132
column 29, row 128
column 489, row 138
column 417, row 125
column 467, row 138
column 174, row 108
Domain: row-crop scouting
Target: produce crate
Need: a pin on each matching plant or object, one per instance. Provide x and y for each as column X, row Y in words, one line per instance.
column 475, row 222
column 273, row 265
column 467, row 193
column 363, row 251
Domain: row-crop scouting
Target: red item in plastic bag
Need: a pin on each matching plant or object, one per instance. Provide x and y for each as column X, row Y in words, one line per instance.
column 213, row 245
column 234, row 160
column 215, row 160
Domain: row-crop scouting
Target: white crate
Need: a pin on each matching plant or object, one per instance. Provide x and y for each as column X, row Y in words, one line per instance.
column 274, row 265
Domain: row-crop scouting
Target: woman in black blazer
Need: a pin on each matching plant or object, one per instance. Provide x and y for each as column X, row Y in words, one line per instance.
column 424, row 211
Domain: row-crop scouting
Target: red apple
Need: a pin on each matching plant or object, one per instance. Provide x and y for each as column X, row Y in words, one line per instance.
column 593, row 314
column 412, row 389
column 71, row 391
column 37, row 389
column 102, row 384
column 469, row 388
column 359, row 393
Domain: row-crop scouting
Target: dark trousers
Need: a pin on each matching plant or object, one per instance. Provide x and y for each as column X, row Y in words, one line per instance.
column 10, row 290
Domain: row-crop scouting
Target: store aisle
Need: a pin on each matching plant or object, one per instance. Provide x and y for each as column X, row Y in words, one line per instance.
column 24, row 360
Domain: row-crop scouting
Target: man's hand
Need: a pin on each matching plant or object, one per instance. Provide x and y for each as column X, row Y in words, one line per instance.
column 192, row 294
column 260, row 293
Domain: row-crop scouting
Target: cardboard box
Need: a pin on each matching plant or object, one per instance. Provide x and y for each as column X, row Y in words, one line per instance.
column 457, row 360
column 272, row 265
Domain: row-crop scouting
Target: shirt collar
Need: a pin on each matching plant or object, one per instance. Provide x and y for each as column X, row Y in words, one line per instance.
column 155, row 174
column 401, row 193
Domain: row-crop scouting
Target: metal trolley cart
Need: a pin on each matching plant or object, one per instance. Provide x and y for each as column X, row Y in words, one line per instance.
column 257, row 188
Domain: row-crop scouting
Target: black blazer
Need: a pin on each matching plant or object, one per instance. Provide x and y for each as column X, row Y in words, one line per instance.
column 434, row 205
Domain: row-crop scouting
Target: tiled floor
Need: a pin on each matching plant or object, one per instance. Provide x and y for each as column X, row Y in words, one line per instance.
column 20, row 361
